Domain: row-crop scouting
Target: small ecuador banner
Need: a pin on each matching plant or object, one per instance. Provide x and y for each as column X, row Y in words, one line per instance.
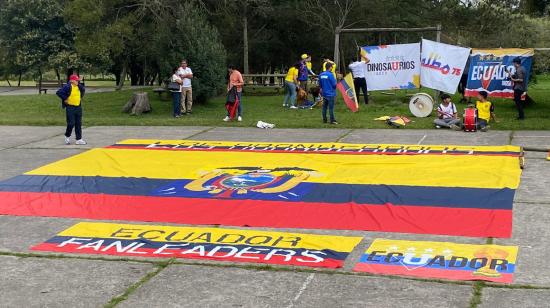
column 347, row 89
column 488, row 71
column 434, row 189
column 234, row 245
column 442, row 65
column 440, row 260
column 392, row 66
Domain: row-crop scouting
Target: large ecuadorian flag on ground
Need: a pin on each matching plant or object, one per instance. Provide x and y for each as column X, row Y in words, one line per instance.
column 454, row 190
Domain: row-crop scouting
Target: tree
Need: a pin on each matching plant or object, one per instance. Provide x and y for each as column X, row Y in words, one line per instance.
column 33, row 32
column 146, row 39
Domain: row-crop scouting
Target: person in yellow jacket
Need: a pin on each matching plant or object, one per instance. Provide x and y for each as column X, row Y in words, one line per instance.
column 333, row 69
column 71, row 96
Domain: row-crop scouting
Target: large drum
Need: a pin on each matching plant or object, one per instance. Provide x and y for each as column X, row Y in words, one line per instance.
column 421, row 105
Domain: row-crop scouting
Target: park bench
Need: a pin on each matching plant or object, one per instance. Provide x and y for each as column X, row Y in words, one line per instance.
column 258, row 81
column 46, row 85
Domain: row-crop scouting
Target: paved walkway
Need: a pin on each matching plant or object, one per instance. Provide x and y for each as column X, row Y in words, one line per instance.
column 34, row 90
column 34, row 279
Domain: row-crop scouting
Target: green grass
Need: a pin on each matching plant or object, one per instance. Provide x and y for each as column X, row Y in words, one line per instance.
column 105, row 109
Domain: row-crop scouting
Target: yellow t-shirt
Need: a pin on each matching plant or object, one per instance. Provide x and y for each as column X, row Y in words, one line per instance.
column 333, row 69
column 291, row 74
column 308, row 65
column 74, row 98
column 484, row 110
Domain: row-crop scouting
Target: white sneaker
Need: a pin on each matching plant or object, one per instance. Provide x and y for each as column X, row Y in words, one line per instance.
column 226, row 119
column 80, row 142
column 293, row 107
column 239, row 118
column 67, row 140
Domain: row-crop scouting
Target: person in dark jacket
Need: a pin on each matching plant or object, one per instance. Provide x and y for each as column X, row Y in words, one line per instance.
column 71, row 96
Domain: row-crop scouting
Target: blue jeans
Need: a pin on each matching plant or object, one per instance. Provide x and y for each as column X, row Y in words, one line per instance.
column 328, row 102
column 240, row 107
column 74, row 120
column 176, row 103
column 290, row 88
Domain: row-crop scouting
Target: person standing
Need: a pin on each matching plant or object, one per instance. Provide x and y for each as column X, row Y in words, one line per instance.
column 291, row 83
column 327, row 81
column 358, row 69
column 186, row 74
column 518, row 78
column 176, row 94
column 326, row 61
column 304, row 71
column 71, row 95
column 235, row 80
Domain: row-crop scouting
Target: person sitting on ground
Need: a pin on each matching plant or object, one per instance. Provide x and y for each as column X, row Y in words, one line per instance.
column 447, row 114
column 291, row 85
column 485, row 111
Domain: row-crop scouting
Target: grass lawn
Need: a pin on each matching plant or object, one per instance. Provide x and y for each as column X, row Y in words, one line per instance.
column 105, row 109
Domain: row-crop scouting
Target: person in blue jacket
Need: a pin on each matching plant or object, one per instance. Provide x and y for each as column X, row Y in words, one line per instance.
column 327, row 81
column 71, row 96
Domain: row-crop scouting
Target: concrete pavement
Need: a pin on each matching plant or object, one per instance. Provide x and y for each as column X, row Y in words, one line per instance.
column 34, row 279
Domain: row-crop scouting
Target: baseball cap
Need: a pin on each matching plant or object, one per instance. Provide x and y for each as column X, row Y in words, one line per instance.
column 74, row 77
column 304, row 56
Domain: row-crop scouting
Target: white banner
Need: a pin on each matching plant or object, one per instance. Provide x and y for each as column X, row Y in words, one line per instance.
column 393, row 66
column 442, row 65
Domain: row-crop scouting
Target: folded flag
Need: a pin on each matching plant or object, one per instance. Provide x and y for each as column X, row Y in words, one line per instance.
column 346, row 87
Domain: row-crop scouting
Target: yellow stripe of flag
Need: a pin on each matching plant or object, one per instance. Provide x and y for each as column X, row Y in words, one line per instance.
column 158, row 233
column 412, row 170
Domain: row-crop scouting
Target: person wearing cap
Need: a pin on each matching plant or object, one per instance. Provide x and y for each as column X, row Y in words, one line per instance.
column 518, row 78
column 304, row 71
column 71, row 95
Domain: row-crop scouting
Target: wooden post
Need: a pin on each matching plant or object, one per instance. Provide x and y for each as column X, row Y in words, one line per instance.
column 337, row 47
column 437, row 39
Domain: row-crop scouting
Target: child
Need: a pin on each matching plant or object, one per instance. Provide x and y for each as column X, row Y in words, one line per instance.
column 71, row 96
column 447, row 115
column 485, row 111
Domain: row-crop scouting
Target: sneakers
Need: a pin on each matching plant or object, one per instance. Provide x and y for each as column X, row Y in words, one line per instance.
column 226, row 119
column 455, row 127
column 334, row 123
column 485, row 128
column 437, row 126
column 285, row 105
column 293, row 107
column 67, row 140
column 80, row 142
column 239, row 118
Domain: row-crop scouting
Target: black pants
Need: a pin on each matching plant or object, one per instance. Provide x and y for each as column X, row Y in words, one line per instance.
column 519, row 103
column 74, row 120
column 361, row 84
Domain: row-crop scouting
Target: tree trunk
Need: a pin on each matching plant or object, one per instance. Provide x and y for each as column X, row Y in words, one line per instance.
column 122, row 76
column 19, row 81
column 245, row 43
column 8, row 80
column 40, row 80
column 58, row 76
column 138, row 104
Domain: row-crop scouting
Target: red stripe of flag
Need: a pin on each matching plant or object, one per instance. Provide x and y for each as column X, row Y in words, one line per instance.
column 256, row 213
